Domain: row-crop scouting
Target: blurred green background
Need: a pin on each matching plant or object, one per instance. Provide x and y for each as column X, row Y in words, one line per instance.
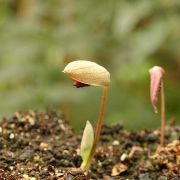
column 38, row 38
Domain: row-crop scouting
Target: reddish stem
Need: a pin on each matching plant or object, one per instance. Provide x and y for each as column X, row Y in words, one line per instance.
column 98, row 128
column 162, row 114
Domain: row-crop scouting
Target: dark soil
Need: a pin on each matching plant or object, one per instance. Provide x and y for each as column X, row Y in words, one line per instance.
column 43, row 146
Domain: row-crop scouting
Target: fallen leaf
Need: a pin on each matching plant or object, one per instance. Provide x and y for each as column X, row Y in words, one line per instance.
column 118, row 169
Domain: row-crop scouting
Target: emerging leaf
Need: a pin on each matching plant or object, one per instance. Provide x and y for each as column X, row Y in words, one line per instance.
column 86, row 143
column 156, row 74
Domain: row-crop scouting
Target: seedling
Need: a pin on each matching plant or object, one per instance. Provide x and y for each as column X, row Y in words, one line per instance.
column 156, row 86
column 87, row 73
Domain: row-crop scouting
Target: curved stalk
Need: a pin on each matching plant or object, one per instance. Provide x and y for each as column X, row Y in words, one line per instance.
column 98, row 128
column 162, row 114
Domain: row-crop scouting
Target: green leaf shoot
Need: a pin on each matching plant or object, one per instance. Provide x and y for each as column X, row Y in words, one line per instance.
column 86, row 143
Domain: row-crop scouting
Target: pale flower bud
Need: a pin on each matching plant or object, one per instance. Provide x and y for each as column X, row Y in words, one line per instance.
column 88, row 73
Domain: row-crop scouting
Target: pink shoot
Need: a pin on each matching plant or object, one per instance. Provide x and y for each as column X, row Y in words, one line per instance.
column 156, row 87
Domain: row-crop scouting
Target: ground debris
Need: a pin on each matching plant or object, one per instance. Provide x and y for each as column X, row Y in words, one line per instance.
column 42, row 145
column 135, row 149
column 168, row 156
column 118, row 169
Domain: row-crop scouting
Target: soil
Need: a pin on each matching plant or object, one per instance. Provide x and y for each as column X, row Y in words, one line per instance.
column 43, row 146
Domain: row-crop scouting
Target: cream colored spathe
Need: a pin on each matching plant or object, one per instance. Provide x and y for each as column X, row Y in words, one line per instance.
column 88, row 72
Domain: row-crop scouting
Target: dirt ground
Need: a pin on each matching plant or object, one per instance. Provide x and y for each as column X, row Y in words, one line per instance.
column 36, row 145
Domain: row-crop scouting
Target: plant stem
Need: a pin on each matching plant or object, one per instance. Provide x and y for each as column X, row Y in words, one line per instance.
column 162, row 114
column 98, row 128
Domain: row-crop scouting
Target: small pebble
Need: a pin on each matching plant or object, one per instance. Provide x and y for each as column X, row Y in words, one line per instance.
column 36, row 158
column 11, row 168
column 115, row 143
column 43, row 146
column 11, row 136
column 123, row 157
column 59, row 174
column 26, row 177
column 65, row 151
column 12, row 126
